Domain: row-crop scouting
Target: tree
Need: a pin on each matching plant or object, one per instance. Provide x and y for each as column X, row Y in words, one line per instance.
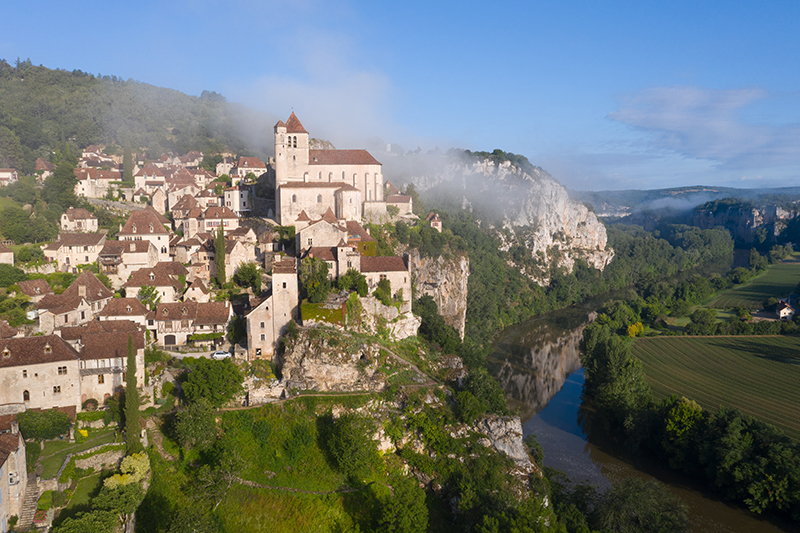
column 59, row 188
column 195, row 426
column 637, row 505
column 248, row 275
column 214, row 381
column 149, row 297
column 383, row 292
column 351, row 447
column 127, row 163
column 133, row 443
column 404, row 511
column 314, row 280
column 219, row 256
column 353, row 280
column 10, row 275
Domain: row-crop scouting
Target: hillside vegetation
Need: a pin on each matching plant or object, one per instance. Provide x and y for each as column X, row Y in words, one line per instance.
column 41, row 108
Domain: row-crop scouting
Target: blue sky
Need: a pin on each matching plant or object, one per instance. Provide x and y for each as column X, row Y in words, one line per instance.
column 603, row 95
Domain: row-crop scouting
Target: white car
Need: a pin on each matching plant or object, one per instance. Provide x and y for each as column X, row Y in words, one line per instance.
column 219, row 355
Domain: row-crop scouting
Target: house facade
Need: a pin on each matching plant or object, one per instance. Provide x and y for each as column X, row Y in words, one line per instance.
column 73, row 249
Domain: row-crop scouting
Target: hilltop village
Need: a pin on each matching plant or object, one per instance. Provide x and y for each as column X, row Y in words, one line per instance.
column 165, row 278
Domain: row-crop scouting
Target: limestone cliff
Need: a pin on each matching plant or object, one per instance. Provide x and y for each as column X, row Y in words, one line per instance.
column 444, row 279
column 525, row 204
column 747, row 223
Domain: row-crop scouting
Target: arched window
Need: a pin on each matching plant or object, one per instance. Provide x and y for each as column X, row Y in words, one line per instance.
column 319, row 175
column 294, row 198
column 319, row 198
column 343, row 178
column 26, row 396
column 294, row 142
column 330, row 176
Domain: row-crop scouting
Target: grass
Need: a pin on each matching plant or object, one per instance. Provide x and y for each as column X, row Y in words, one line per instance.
column 778, row 281
column 55, row 452
column 757, row 375
column 86, row 489
column 317, row 312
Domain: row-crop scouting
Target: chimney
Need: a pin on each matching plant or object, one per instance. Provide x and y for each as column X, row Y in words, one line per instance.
column 14, row 427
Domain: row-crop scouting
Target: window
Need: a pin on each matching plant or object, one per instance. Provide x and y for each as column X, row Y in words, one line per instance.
column 319, row 198
column 101, row 379
column 66, row 319
column 262, row 325
column 383, row 276
column 6, row 353
column 294, row 198
column 83, row 315
column 57, row 389
column 26, row 396
column 47, row 348
column 284, row 284
column 62, row 371
column 24, row 373
column 85, row 248
column 263, row 337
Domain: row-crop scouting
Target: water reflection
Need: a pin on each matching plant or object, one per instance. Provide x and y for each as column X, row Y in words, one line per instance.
column 538, row 365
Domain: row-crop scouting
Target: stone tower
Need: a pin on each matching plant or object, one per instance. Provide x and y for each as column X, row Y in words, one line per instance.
column 291, row 151
column 284, row 295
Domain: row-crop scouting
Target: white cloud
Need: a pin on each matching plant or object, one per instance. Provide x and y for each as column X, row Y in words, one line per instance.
column 707, row 124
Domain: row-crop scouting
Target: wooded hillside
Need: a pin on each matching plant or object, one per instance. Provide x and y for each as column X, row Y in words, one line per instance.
column 40, row 108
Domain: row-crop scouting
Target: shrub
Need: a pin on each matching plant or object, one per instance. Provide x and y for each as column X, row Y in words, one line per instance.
column 90, row 405
column 39, row 425
column 167, row 388
column 351, row 447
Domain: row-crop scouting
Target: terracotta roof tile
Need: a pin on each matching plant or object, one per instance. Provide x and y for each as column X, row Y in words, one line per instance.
column 35, row 350
column 383, row 264
column 94, row 291
column 322, row 252
column 35, row 287
column 293, row 125
column 341, row 157
column 124, row 307
column 144, row 222
column 287, row 266
column 80, row 239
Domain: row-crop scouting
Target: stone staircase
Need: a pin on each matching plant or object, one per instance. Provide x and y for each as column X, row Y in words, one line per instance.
column 28, row 505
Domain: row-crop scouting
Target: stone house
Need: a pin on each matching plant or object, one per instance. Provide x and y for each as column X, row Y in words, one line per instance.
column 208, row 220
column 393, row 268
column 72, row 249
column 329, row 231
column 43, row 169
column 39, row 373
column 13, row 470
column 186, row 248
column 236, row 254
column 269, row 317
column 147, row 225
column 35, row 289
column 119, row 259
column 84, row 299
column 436, row 222
column 168, row 287
column 8, row 176
column 125, row 309
column 402, row 202
column 173, row 323
column 79, row 220
column 158, row 200
column 238, row 200
column 103, row 352
column 6, row 255
column 197, row 291
column 245, row 166
column 94, row 182
column 206, row 198
column 784, row 311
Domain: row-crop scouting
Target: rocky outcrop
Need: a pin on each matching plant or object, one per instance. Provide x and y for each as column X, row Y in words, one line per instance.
column 530, row 203
column 316, row 360
column 444, row 279
column 746, row 223
column 376, row 315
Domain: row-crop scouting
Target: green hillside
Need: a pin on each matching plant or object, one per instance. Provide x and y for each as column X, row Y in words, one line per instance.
column 41, row 108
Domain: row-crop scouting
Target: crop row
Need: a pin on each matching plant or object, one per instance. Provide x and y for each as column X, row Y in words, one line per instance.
column 757, row 375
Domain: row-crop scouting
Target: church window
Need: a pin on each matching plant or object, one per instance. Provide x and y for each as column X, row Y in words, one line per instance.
column 294, row 142
column 294, row 198
column 319, row 198
column 26, row 396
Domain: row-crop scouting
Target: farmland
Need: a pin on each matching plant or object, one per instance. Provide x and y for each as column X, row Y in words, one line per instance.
column 779, row 281
column 757, row 375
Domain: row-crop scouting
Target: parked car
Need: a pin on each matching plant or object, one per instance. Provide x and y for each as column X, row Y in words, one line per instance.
column 219, row 355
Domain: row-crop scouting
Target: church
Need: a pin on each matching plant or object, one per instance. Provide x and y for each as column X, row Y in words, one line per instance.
column 349, row 182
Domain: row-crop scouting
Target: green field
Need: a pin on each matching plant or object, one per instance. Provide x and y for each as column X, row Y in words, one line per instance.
column 760, row 376
column 779, row 281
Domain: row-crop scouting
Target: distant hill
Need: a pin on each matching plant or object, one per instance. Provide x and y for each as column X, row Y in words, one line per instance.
column 40, row 108
column 676, row 199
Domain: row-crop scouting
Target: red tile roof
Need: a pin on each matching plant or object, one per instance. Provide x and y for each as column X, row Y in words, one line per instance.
column 383, row 264
column 35, row 287
column 144, row 222
column 250, row 162
column 287, row 266
column 94, row 289
column 80, row 239
column 35, row 350
column 322, row 252
column 79, row 214
column 203, row 313
column 106, row 339
column 341, row 157
column 124, row 307
column 293, row 125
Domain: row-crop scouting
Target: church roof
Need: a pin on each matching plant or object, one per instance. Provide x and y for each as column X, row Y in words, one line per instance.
column 293, row 125
column 341, row 157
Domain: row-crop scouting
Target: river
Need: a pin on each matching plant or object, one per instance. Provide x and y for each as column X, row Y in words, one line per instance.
column 538, row 365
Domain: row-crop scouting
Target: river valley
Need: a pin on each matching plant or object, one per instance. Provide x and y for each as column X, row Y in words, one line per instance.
column 538, row 365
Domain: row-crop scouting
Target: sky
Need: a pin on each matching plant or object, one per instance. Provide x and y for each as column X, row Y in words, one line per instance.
column 603, row 95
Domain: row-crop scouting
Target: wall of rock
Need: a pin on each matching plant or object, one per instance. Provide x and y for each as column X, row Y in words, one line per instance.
column 445, row 280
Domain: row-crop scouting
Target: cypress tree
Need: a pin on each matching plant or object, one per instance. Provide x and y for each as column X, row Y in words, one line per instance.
column 219, row 256
column 127, row 163
column 132, row 428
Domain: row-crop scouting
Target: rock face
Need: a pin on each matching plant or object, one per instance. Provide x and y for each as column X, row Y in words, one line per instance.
column 444, row 279
column 530, row 203
column 747, row 224
column 505, row 435
column 316, row 362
